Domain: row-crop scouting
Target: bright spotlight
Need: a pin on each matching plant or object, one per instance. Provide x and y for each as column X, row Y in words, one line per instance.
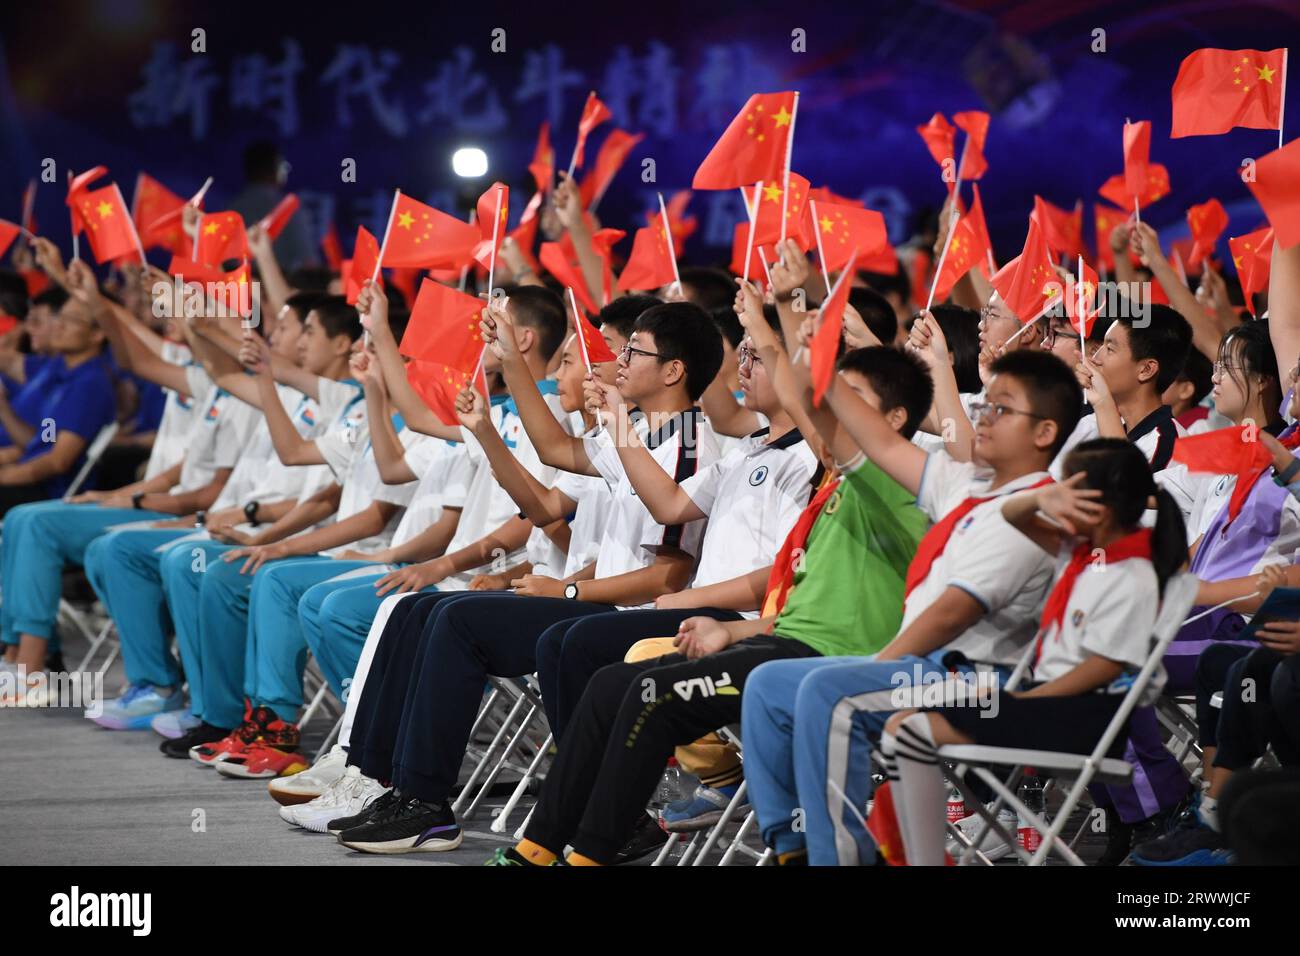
column 469, row 162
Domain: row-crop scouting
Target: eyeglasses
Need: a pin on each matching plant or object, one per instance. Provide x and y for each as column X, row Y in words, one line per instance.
column 747, row 356
column 996, row 410
column 627, row 351
column 1221, row 367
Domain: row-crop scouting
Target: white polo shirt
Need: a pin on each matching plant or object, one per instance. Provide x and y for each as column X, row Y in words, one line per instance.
column 593, row 500
column 177, row 418
column 260, row 475
column 1111, row 613
column 432, row 459
column 362, row 484
column 631, row 533
column 986, row 557
column 218, row 432
column 1154, row 436
column 753, row 495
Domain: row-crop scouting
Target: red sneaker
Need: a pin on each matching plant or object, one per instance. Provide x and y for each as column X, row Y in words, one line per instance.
column 272, row 754
column 235, row 742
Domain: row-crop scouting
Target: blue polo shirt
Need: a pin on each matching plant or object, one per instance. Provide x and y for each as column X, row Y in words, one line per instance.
column 28, row 398
column 79, row 400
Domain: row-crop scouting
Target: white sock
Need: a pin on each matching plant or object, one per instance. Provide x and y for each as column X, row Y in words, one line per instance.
column 920, row 798
column 1209, row 812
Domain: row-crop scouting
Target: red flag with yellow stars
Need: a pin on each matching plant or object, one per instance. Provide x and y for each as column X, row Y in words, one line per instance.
column 966, row 251
column 1219, row 89
column 767, row 228
column 609, row 160
column 823, row 194
column 739, row 247
column 1207, row 222
column 232, row 290
column 444, row 328
column 594, row 112
column 102, row 213
column 543, row 165
column 1088, row 293
column 1252, row 254
column 78, row 187
column 846, row 228
column 981, row 228
column 153, row 202
column 1277, row 187
column 273, row 222
column 525, row 232
column 1137, row 156
column 487, row 212
column 362, row 265
column 681, row 226
column 1064, row 230
column 1028, row 284
column 425, row 238
column 1115, row 189
column 650, row 266
column 221, row 237
column 753, row 148
column 602, row 241
column 975, row 123
column 567, row 273
column 825, row 344
column 940, row 137
column 1105, row 219
column 594, row 346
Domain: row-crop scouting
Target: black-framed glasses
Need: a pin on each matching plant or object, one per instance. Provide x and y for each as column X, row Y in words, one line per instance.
column 996, row 410
column 747, row 356
column 628, row 350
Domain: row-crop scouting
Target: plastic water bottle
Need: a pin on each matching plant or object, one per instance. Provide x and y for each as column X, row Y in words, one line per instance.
column 670, row 786
column 956, row 805
column 1031, row 795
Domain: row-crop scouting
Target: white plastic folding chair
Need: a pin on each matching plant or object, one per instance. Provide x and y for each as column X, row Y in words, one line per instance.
column 1084, row 769
column 94, row 452
column 513, row 747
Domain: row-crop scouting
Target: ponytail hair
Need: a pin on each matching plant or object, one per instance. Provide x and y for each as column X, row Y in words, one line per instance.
column 1116, row 468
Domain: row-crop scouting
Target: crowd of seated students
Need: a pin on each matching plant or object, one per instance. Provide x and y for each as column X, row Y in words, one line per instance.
column 681, row 540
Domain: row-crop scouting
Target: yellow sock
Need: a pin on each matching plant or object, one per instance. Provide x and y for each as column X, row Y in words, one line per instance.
column 577, row 859
column 534, row 853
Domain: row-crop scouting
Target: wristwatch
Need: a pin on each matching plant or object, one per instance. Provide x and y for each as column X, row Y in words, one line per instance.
column 250, row 512
column 571, row 590
column 200, row 518
column 136, row 499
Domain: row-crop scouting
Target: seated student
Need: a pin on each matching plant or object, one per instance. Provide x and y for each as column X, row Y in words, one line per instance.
column 1095, row 634
column 971, row 589
column 76, row 402
column 24, row 395
column 392, row 645
column 128, row 562
column 672, row 355
column 836, row 587
column 1186, row 396
column 1124, row 380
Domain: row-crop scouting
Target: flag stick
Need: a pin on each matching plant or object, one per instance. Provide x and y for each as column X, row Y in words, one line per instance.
column 821, row 254
column 496, row 231
column 577, row 328
column 1079, row 310
column 1025, row 326
column 752, row 214
column 203, row 191
column 762, row 257
column 72, row 215
column 464, row 275
column 29, row 202
column 1137, row 211
column 938, row 269
column 993, row 267
column 383, row 247
column 134, row 232
column 789, row 149
column 668, row 237
column 1281, row 111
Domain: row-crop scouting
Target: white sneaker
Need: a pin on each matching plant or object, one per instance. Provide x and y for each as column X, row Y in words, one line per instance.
column 310, row 784
column 992, row 846
column 348, row 795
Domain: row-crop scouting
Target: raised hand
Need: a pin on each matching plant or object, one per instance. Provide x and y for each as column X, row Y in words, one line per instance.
column 255, row 353
column 471, row 409
column 1069, row 505
column 790, row 271
column 372, row 305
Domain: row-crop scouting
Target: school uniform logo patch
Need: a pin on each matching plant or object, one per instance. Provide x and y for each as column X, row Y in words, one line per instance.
column 1076, row 618
column 758, row 476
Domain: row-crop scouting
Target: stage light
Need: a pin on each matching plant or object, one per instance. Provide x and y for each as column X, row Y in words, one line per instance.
column 469, row 162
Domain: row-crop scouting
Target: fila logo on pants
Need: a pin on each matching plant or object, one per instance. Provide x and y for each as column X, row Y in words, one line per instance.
column 707, row 686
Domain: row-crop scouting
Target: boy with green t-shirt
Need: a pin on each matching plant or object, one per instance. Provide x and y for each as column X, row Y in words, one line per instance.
column 836, row 588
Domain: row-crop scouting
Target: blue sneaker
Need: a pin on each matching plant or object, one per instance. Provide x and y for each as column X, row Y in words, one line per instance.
column 174, row 724
column 136, row 709
column 701, row 810
column 1189, row 846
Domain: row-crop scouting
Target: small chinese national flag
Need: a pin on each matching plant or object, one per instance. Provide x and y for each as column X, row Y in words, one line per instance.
column 594, row 346
column 567, row 272
column 594, row 112
column 425, row 238
column 102, row 213
column 681, row 226
column 8, row 233
column 543, row 165
column 940, row 136
column 1137, row 156
column 767, row 229
column 1064, row 230
column 1116, row 189
column 1207, row 222
column 650, row 266
column 444, row 328
column 365, row 258
column 333, row 249
column 1105, row 219
column 493, row 209
column 1226, row 451
column 965, row 251
column 753, row 148
column 273, row 222
column 1028, row 284
column 1252, row 254
column 1219, row 89
column 1277, row 187
column 609, row 160
column 848, row 228
column 221, row 237
column 975, row 123
column 153, row 202
column 825, row 342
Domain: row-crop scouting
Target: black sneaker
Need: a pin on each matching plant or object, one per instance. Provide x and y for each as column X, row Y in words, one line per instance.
column 204, row 733
column 412, row 826
column 1189, row 846
column 1119, row 839
column 377, row 807
column 646, row 838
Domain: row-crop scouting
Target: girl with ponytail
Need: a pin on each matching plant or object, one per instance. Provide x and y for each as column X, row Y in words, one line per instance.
column 1095, row 634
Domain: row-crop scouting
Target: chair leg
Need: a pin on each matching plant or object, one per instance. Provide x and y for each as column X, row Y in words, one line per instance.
column 499, row 823
column 716, row 832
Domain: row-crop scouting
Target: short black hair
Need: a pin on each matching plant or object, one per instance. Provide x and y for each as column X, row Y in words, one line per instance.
column 682, row 331
column 876, row 312
column 711, row 288
column 899, row 378
column 1054, row 392
column 1165, row 336
column 13, row 294
column 261, row 161
column 1200, row 372
column 541, row 310
column 887, row 282
column 310, row 278
column 398, row 319
column 52, row 297
column 337, row 317
column 304, row 302
column 728, row 324
column 623, row 312
column 961, row 330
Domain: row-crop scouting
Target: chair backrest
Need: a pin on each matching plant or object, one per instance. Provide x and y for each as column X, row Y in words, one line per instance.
column 93, row 454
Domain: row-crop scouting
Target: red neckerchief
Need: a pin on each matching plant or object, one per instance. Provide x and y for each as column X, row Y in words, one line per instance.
column 783, row 568
column 936, row 539
column 1135, row 545
column 1246, row 482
